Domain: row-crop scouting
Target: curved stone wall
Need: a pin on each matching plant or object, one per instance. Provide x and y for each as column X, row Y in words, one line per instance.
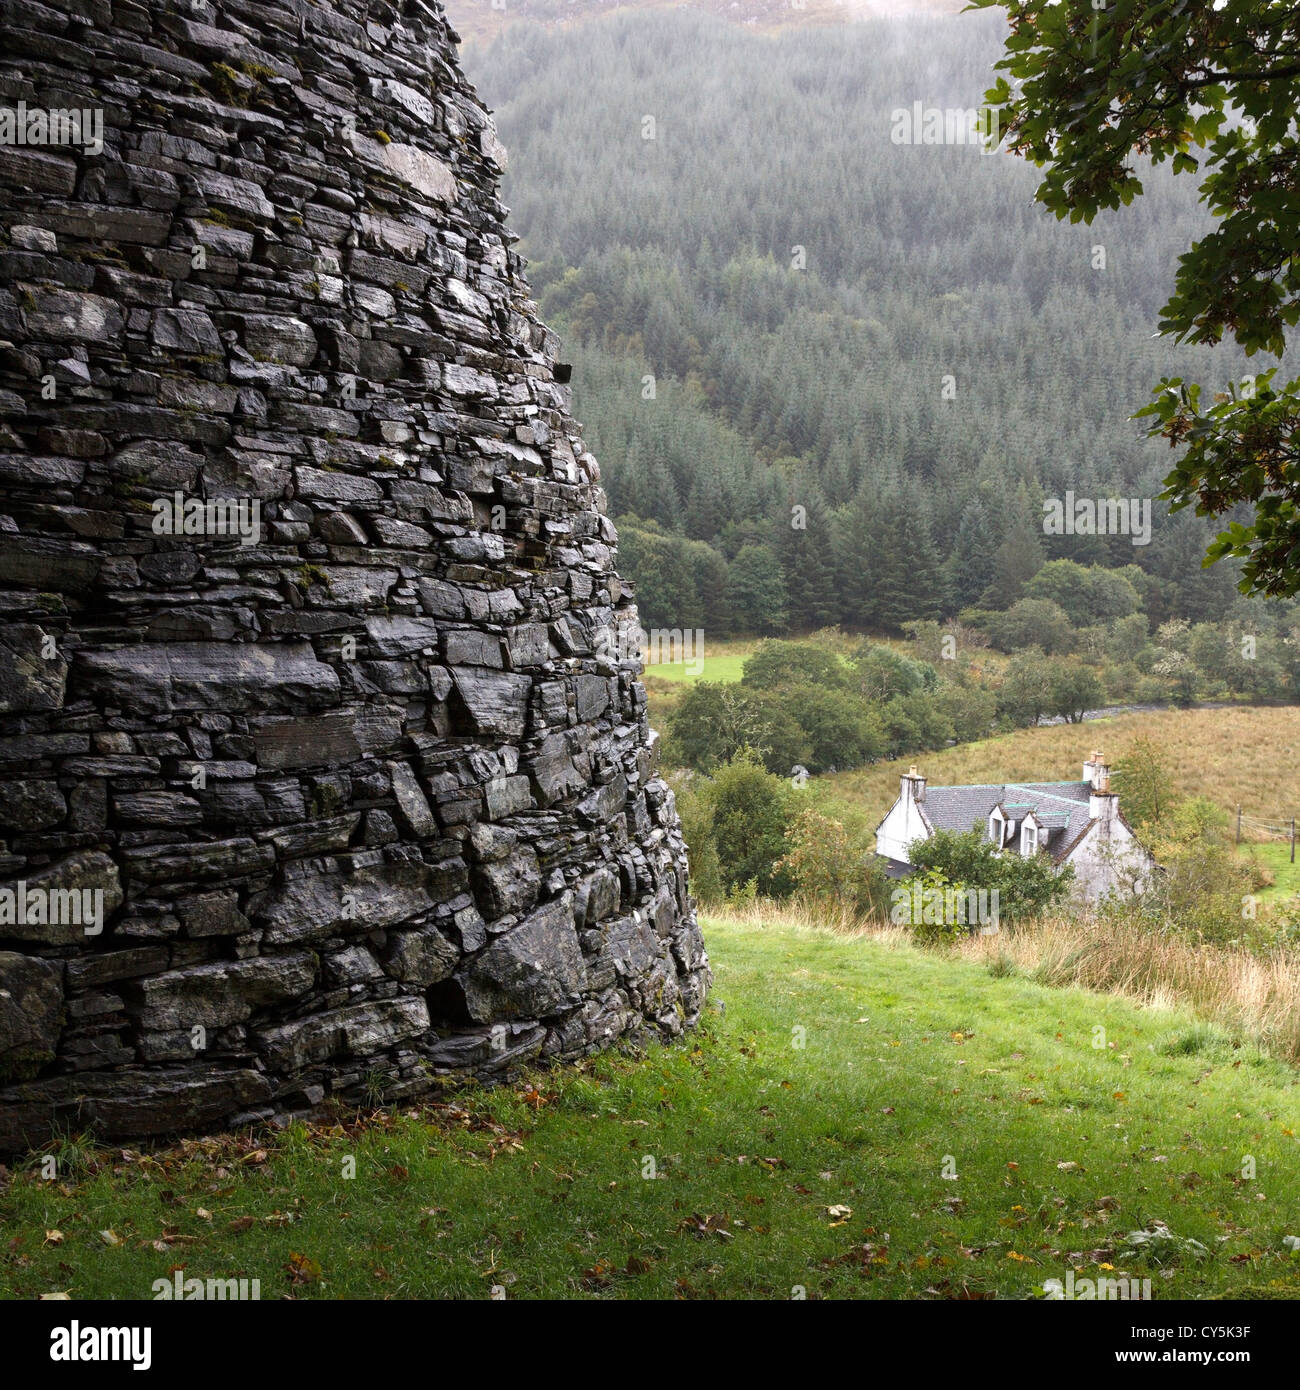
column 326, row 764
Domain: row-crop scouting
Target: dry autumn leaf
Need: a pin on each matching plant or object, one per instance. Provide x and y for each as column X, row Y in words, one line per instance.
column 302, row 1269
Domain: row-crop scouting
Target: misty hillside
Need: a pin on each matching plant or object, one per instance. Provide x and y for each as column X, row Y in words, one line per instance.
column 886, row 333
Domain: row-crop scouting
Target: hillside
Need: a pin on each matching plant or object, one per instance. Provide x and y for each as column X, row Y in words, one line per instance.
column 939, row 1134
column 1233, row 756
column 477, row 20
column 832, row 373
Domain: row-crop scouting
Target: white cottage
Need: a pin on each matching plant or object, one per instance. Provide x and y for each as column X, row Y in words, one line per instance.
column 1076, row 823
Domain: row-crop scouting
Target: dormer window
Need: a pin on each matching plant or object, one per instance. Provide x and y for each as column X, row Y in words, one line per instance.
column 1028, row 839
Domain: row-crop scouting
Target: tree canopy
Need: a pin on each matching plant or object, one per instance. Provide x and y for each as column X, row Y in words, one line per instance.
column 1100, row 95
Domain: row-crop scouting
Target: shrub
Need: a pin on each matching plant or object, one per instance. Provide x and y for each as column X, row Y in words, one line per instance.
column 1026, row 886
column 1203, row 891
column 826, row 867
column 751, row 812
column 776, row 663
column 696, row 811
column 1031, row 622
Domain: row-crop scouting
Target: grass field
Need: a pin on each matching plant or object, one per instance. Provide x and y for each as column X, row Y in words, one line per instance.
column 722, row 661
column 1286, row 875
column 940, row 1133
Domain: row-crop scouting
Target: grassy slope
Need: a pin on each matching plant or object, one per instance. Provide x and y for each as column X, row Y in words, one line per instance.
column 909, row 1057
column 1286, row 875
column 1230, row 755
column 1239, row 756
column 722, row 661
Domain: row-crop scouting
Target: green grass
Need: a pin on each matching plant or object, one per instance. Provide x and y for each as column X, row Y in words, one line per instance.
column 1276, row 858
column 910, row 1061
column 722, row 661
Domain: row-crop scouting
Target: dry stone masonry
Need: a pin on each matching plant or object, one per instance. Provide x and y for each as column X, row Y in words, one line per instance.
column 326, row 770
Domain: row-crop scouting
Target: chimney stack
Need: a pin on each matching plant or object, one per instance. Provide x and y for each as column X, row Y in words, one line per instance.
column 1095, row 770
column 912, row 785
column 1103, row 804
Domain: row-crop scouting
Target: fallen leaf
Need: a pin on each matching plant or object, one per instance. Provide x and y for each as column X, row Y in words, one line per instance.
column 302, row 1269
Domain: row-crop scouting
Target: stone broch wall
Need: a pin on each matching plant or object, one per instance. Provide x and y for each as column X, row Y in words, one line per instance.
column 371, row 800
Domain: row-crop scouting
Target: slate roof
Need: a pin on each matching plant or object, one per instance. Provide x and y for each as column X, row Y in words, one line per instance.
column 1061, row 806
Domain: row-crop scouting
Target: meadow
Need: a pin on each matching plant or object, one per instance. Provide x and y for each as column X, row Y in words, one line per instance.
column 857, row 1118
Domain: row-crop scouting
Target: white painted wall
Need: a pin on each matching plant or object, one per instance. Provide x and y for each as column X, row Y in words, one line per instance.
column 1109, row 856
column 901, row 827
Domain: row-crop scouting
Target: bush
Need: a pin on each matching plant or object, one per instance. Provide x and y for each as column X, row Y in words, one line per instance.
column 1204, row 891
column 1026, row 887
column 1031, row 622
column 930, row 904
column 826, row 867
column 775, row 663
column 696, row 811
column 751, row 812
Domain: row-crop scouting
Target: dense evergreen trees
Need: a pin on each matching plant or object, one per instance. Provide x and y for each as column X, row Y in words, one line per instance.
column 860, row 364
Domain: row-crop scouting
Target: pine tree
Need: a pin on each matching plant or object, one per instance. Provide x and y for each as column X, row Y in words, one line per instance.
column 972, row 566
column 1020, row 555
column 805, row 542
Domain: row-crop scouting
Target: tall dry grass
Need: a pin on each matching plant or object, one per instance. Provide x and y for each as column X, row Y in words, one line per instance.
column 1251, row 996
column 1257, row 996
